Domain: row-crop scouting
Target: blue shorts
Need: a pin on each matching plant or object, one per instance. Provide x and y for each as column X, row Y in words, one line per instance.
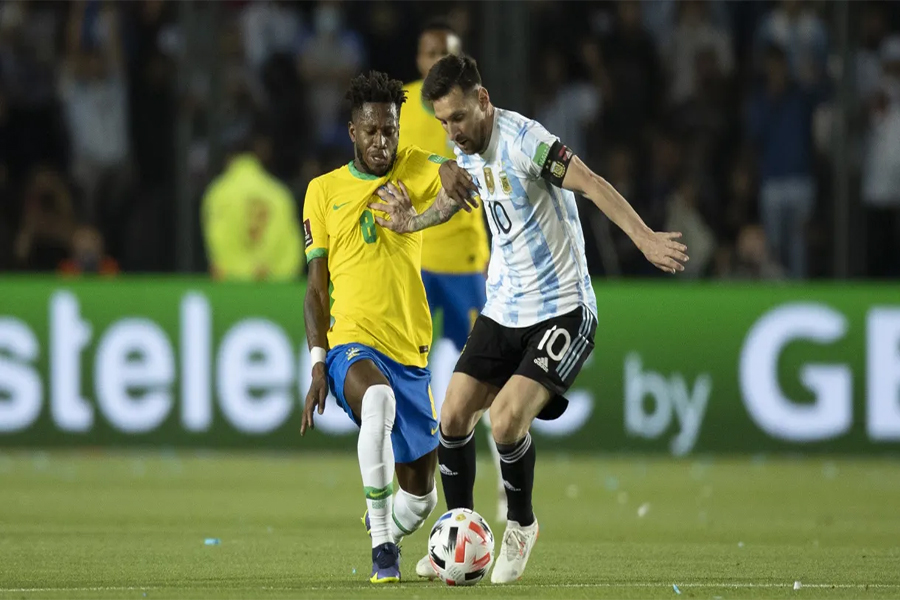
column 415, row 431
column 460, row 297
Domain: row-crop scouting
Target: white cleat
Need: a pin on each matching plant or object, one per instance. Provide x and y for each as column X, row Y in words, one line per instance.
column 514, row 552
column 424, row 568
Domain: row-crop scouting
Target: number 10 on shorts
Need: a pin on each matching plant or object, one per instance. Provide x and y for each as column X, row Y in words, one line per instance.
column 555, row 349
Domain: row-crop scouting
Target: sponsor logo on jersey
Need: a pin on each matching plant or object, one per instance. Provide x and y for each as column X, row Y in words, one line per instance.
column 423, row 349
column 352, row 353
column 307, row 233
column 489, row 179
column 504, row 183
column 541, row 361
column 437, row 159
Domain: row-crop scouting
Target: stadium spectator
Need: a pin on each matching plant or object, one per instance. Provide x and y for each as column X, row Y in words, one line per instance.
column 635, row 72
column 779, row 125
column 881, row 169
column 249, row 220
column 88, row 256
column 151, row 105
column 27, row 78
column 751, row 258
column 96, row 108
column 566, row 106
column 683, row 214
column 694, row 33
column 269, row 28
column 794, row 26
column 47, row 223
column 286, row 105
column 873, row 30
column 630, row 71
column 329, row 58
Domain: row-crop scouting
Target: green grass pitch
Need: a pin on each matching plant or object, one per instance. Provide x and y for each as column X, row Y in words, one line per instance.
column 133, row 525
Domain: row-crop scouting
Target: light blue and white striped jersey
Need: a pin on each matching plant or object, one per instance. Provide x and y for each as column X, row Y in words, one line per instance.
column 537, row 269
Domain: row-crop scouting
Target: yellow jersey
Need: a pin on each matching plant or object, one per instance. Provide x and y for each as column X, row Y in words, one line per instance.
column 250, row 224
column 378, row 295
column 459, row 245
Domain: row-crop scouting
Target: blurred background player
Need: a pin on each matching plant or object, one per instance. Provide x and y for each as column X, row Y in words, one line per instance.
column 455, row 253
column 250, row 220
column 537, row 328
column 373, row 356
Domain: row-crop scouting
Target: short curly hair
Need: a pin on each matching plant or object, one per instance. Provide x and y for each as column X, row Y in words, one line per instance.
column 375, row 87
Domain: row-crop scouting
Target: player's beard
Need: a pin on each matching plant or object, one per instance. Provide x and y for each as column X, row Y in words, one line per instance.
column 361, row 159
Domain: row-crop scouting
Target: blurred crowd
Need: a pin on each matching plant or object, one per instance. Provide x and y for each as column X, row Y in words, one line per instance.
column 713, row 118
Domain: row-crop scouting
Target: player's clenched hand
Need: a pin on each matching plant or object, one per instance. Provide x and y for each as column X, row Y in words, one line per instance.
column 318, row 392
column 397, row 206
column 662, row 250
column 458, row 184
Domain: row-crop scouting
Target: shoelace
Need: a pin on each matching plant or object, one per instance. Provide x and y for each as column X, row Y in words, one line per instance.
column 515, row 542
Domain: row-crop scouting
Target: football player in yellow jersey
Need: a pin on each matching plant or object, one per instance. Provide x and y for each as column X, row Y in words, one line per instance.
column 455, row 253
column 374, row 353
column 454, row 280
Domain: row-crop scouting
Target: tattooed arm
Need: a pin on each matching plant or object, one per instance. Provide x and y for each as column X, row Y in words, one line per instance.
column 402, row 217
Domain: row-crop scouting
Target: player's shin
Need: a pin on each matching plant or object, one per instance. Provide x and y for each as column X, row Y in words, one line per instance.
column 517, row 465
column 456, row 457
column 376, row 458
column 410, row 512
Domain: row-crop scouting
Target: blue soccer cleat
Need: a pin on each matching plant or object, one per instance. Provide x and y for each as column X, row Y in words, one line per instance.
column 385, row 564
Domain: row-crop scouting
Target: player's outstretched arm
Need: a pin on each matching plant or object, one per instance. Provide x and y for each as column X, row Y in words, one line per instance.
column 660, row 248
column 402, row 216
column 316, row 314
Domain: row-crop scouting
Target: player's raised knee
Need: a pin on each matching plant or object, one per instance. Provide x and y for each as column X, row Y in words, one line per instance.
column 456, row 422
column 379, row 404
column 509, row 423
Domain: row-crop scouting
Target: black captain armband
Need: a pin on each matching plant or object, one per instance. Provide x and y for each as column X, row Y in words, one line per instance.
column 557, row 163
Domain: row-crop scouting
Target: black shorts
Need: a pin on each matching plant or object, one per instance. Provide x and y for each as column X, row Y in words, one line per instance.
column 551, row 352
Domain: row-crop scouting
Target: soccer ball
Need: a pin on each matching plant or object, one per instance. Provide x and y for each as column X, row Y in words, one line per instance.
column 461, row 547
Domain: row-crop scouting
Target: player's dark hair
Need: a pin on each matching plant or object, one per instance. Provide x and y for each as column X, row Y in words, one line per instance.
column 437, row 24
column 375, row 87
column 449, row 72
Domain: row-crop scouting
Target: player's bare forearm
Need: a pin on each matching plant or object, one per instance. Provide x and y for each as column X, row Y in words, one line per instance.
column 582, row 180
column 660, row 248
column 439, row 212
column 316, row 305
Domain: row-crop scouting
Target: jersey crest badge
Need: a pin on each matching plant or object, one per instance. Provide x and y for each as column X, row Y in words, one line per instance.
column 489, row 179
column 504, row 183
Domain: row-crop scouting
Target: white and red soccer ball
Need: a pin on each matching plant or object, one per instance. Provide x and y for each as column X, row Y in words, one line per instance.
column 461, row 547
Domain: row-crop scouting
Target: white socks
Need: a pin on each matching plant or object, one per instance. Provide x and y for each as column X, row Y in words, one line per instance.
column 376, row 459
column 410, row 512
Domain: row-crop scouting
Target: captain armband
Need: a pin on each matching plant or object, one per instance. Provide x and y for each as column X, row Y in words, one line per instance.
column 556, row 164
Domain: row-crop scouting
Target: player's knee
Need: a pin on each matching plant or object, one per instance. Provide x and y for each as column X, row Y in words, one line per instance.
column 426, row 504
column 379, row 405
column 508, row 423
column 455, row 420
